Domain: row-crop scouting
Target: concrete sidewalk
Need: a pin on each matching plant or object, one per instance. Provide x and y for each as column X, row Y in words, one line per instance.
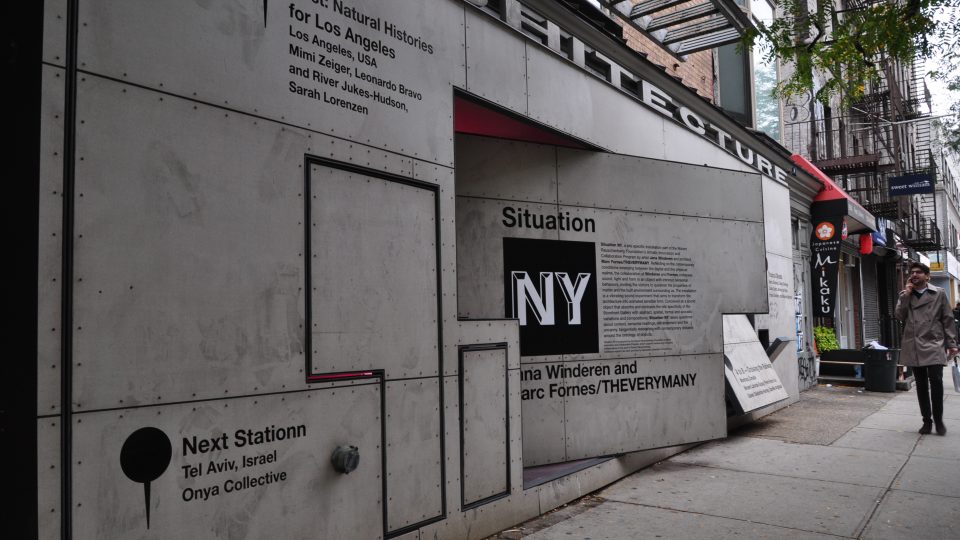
column 839, row 463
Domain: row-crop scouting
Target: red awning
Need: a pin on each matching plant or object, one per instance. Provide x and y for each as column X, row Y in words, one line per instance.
column 833, row 201
column 477, row 119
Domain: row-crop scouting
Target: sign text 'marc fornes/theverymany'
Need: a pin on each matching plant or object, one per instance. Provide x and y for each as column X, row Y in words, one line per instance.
column 594, row 379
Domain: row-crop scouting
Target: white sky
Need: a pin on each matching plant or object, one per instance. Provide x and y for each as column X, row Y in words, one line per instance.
column 942, row 98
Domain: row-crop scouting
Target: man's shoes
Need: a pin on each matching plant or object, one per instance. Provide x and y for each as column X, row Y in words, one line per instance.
column 927, row 428
column 941, row 429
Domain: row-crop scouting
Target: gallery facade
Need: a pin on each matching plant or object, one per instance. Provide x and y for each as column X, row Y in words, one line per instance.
column 351, row 269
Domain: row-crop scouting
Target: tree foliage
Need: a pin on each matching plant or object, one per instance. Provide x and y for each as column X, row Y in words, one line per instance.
column 839, row 49
column 948, row 70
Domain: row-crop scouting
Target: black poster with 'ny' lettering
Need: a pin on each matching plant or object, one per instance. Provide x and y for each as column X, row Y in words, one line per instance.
column 551, row 287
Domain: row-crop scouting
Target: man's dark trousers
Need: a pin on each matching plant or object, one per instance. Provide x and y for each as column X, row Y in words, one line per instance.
column 927, row 390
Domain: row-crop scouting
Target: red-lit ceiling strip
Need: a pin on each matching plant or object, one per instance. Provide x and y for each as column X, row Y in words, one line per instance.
column 347, row 375
column 475, row 119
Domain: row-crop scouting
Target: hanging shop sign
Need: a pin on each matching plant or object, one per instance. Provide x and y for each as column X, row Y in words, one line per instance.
column 910, row 184
column 825, row 265
column 880, row 235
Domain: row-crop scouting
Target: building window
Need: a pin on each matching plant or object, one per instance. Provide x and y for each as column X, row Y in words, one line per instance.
column 746, row 81
column 765, row 78
column 733, row 79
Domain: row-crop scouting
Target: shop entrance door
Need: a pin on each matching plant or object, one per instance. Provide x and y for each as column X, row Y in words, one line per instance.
column 848, row 305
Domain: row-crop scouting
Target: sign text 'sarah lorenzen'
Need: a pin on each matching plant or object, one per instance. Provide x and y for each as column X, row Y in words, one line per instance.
column 337, row 54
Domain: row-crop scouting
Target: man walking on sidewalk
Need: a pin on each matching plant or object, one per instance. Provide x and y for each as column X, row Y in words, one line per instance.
column 928, row 330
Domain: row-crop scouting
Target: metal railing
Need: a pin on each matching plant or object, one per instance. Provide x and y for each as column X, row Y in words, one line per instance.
column 849, row 141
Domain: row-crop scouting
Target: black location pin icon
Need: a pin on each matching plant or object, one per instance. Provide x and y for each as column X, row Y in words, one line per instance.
column 144, row 457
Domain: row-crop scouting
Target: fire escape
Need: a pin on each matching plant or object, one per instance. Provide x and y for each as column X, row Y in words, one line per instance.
column 885, row 134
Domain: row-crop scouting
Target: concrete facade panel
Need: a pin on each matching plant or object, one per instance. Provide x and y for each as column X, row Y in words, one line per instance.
column 249, row 467
column 516, row 432
column 598, row 116
column 544, row 432
column 443, row 177
column 647, row 185
column 507, row 170
column 653, row 415
column 678, row 140
column 493, row 50
column 554, row 494
column 49, row 478
column 776, row 218
column 374, row 274
column 780, row 322
column 55, row 32
column 245, row 170
column 50, row 243
column 488, row 332
column 697, row 247
column 415, row 465
column 482, row 521
column 485, row 424
column 655, row 274
column 452, row 493
column 480, row 293
column 302, row 64
column 781, row 319
column 348, row 153
column 176, row 298
column 737, row 329
column 709, row 242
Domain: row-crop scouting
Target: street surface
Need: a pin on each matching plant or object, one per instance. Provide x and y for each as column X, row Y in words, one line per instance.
column 840, row 463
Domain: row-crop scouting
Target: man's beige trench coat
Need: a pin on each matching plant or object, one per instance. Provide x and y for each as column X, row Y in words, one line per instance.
column 928, row 327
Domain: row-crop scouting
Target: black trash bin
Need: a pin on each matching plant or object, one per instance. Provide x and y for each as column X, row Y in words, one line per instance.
column 880, row 370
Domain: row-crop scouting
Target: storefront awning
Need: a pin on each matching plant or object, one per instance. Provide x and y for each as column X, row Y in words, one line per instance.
column 833, row 201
